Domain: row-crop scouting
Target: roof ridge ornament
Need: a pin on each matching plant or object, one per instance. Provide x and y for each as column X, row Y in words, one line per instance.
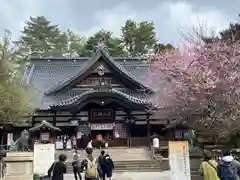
column 101, row 46
column 101, row 70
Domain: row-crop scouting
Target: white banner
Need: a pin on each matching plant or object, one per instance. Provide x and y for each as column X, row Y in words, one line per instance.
column 179, row 160
column 105, row 126
column 44, row 156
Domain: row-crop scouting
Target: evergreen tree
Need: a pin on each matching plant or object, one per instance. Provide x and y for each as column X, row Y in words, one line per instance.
column 138, row 38
column 75, row 45
column 113, row 44
column 39, row 38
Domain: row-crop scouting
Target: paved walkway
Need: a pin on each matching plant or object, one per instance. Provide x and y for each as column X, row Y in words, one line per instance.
column 134, row 176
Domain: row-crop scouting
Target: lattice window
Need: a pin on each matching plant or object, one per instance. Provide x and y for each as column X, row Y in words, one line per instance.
column 121, row 129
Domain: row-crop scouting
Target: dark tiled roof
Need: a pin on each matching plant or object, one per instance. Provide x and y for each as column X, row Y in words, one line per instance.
column 47, row 73
column 101, row 53
column 133, row 97
column 44, row 124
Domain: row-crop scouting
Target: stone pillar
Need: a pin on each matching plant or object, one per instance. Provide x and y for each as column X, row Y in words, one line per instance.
column 19, row 166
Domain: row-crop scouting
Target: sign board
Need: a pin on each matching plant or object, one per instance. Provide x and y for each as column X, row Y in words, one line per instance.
column 101, row 114
column 179, row 160
column 105, row 126
column 44, row 156
column 44, row 136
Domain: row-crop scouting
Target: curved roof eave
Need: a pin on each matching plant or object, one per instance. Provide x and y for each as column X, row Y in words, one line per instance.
column 113, row 92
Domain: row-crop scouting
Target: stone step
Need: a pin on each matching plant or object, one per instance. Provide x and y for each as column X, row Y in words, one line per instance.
column 116, row 154
column 110, row 150
column 136, row 166
column 111, row 153
column 117, row 158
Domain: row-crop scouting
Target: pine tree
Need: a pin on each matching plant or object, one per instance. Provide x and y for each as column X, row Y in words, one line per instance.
column 39, row 38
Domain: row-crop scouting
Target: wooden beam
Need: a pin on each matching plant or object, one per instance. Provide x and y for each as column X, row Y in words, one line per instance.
column 60, row 116
column 148, row 125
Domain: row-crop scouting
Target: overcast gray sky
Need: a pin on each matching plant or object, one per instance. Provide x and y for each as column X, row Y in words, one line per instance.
column 87, row 17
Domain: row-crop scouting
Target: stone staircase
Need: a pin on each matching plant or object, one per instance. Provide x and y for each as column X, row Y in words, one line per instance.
column 117, row 154
column 125, row 159
column 141, row 166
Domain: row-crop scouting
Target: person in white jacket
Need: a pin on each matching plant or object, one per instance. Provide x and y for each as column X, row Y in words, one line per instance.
column 90, row 144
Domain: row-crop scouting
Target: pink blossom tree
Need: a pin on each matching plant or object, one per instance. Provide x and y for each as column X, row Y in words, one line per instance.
column 199, row 84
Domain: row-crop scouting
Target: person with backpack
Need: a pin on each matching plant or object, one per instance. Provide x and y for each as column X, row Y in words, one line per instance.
column 91, row 166
column 76, row 166
column 208, row 168
column 58, row 168
column 228, row 167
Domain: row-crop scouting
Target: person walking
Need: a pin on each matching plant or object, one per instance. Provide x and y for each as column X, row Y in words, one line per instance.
column 91, row 166
column 76, row 166
column 90, row 144
column 208, row 168
column 228, row 167
column 101, row 159
column 74, row 142
column 58, row 168
column 108, row 167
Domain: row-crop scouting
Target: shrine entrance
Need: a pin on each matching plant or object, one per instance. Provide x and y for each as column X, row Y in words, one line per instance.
column 102, row 124
column 105, row 130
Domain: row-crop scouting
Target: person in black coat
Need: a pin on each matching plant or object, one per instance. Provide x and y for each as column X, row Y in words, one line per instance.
column 58, row 168
column 101, row 163
column 107, row 167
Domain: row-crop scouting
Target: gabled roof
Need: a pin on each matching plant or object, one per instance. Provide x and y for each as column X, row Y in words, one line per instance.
column 44, row 124
column 101, row 53
column 46, row 74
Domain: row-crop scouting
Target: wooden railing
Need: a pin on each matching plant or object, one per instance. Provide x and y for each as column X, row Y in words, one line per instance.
column 138, row 141
column 118, row 142
column 129, row 142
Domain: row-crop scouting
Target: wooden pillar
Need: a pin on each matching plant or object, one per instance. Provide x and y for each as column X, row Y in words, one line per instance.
column 173, row 134
column 33, row 120
column 114, row 123
column 54, row 118
column 148, row 124
column 34, row 136
column 128, row 113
